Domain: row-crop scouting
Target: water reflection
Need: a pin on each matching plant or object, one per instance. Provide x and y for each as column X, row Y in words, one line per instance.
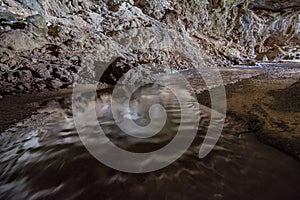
column 45, row 159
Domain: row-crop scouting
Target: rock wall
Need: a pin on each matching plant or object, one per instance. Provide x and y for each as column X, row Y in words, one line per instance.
column 44, row 44
column 247, row 31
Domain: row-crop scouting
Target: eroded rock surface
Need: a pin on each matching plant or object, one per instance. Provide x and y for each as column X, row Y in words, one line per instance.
column 55, row 40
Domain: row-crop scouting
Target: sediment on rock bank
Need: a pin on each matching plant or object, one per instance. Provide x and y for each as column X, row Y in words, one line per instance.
column 270, row 108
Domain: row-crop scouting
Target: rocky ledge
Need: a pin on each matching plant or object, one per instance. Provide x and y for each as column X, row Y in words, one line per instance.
column 269, row 105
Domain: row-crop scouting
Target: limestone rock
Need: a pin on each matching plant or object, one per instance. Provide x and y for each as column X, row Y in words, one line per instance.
column 18, row 41
column 39, row 24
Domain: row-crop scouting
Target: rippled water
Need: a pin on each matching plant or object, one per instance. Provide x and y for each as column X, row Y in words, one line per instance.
column 43, row 158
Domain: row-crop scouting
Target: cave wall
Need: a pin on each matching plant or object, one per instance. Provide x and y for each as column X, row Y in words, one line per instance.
column 44, row 44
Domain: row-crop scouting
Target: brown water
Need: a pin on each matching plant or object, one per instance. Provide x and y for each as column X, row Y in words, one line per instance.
column 43, row 158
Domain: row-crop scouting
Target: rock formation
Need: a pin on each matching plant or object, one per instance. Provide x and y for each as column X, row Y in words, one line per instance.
column 44, row 44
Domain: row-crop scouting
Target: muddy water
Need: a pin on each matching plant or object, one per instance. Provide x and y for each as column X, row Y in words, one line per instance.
column 42, row 157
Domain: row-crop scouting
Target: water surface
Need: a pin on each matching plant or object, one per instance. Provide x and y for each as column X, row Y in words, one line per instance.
column 43, row 157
